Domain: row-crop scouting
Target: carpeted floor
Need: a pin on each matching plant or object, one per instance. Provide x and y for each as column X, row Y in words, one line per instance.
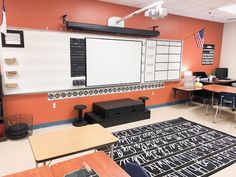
column 176, row 148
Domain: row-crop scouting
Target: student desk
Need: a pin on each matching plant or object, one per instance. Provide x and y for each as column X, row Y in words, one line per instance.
column 219, row 88
column 36, row 172
column 214, row 88
column 49, row 146
column 99, row 161
column 186, row 90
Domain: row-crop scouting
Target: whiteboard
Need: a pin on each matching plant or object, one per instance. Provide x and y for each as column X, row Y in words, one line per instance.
column 113, row 61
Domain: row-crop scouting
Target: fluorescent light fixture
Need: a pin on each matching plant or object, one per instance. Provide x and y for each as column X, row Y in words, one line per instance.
column 230, row 9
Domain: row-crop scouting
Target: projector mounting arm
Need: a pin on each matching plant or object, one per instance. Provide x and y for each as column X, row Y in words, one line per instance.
column 119, row 22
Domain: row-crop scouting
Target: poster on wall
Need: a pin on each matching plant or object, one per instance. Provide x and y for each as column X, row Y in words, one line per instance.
column 14, row 38
column 208, row 54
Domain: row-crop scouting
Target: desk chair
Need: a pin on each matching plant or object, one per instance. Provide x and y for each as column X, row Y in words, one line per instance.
column 135, row 170
column 226, row 100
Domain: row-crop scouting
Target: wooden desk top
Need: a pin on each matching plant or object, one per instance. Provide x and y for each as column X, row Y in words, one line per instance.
column 57, row 144
column 36, row 172
column 188, row 89
column 219, row 88
column 99, row 161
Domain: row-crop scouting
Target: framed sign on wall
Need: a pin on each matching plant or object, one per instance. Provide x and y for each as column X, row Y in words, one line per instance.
column 14, row 38
column 208, row 54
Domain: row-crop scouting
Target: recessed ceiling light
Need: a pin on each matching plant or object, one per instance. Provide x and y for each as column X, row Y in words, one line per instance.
column 230, row 9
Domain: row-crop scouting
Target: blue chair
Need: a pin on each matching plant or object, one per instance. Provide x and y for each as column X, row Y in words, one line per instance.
column 135, row 170
column 226, row 100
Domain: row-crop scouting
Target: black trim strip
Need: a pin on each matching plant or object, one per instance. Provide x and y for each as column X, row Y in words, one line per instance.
column 109, row 29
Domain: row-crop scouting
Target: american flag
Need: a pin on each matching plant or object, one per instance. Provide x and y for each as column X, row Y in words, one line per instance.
column 199, row 36
column 4, row 21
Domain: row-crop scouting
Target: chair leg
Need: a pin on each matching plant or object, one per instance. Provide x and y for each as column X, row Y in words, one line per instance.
column 217, row 110
column 206, row 109
column 234, row 117
column 212, row 102
column 220, row 110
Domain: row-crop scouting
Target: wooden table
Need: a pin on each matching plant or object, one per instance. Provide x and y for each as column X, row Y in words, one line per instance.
column 99, row 161
column 49, row 146
column 187, row 90
column 36, row 172
column 219, row 88
column 214, row 88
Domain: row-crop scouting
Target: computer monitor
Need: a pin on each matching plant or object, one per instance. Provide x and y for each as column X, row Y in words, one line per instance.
column 200, row 74
column 221, row 73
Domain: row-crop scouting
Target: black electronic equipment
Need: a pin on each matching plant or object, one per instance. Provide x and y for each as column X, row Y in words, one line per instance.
column 200, row 74
column 221, row 73
column 80, row 82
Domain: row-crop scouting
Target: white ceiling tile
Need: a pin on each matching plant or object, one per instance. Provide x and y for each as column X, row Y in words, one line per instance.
column 202, row 9
column 181, row 6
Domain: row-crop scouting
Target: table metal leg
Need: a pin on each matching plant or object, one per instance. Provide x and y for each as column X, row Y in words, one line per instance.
column 174, row 96
column 44, row 163
column 212, row 102
column 111, row 149
column 36, row 164
column 187, row 100
column 207, row 107
column 191, row 97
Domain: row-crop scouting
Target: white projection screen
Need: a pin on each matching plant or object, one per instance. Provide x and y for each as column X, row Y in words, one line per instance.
column 113, row 61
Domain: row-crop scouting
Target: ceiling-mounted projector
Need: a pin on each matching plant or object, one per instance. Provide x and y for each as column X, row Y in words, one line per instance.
column 156, row 13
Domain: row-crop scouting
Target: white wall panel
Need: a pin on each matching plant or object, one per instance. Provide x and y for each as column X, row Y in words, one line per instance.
column 228, row 52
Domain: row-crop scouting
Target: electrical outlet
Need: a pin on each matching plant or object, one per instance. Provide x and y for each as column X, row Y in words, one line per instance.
column 54, row 105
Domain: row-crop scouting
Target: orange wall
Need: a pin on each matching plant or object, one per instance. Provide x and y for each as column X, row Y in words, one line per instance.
column 42, row 14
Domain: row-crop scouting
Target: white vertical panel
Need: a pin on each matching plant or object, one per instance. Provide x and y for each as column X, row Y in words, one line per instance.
column 150, row 60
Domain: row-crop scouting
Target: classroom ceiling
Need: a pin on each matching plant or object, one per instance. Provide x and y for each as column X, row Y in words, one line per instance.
column 201, row 9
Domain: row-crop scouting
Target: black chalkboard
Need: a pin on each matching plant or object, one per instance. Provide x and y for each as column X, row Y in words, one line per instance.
column 78, row 57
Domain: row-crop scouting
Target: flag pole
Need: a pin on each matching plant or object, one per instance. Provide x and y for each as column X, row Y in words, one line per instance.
column 194, row 34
